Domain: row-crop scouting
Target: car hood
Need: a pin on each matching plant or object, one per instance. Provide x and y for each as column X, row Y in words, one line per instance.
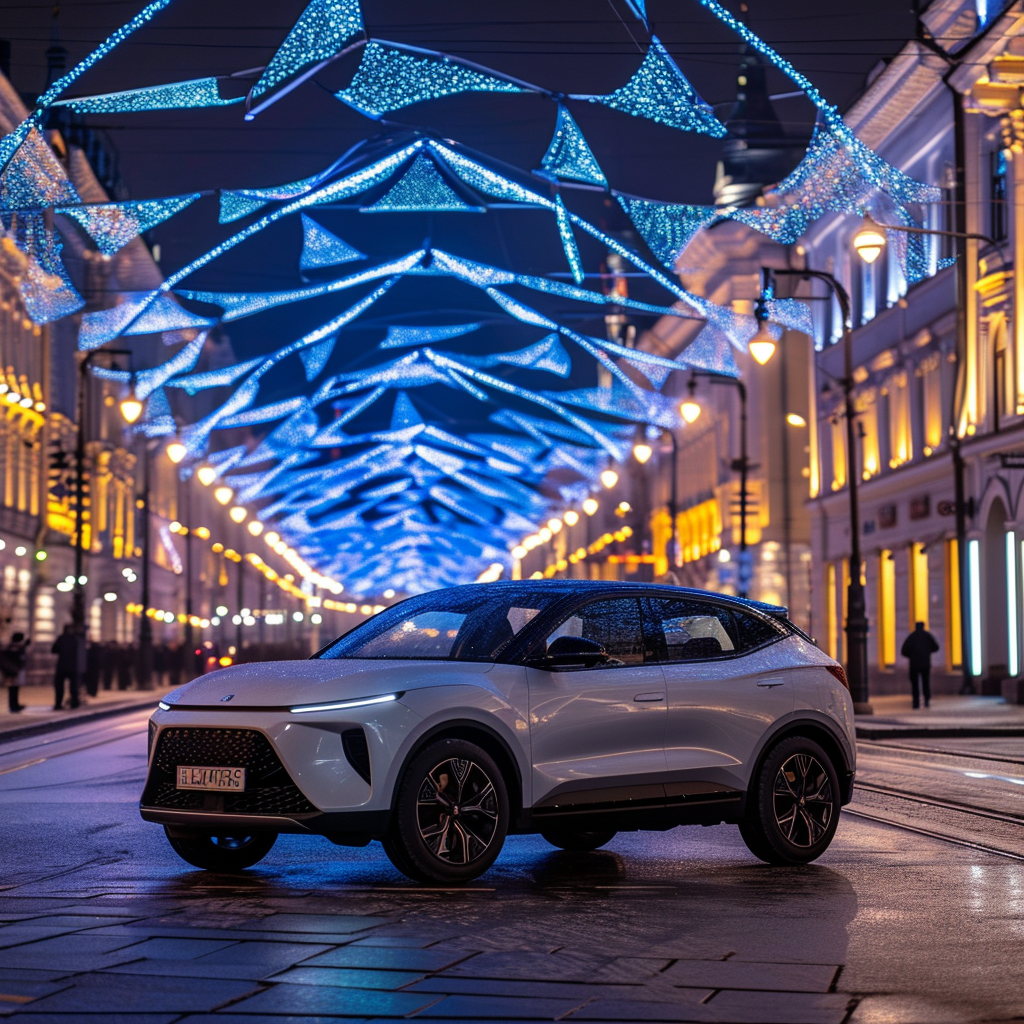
column 288, row 683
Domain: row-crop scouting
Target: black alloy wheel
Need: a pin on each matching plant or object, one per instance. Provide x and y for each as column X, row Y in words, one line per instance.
column 219, row 851
column 580, row 842
column 793, row 805
column 451, row 814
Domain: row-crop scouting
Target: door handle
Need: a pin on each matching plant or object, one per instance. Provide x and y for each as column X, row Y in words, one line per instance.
column 645, row 698
column 770, row 682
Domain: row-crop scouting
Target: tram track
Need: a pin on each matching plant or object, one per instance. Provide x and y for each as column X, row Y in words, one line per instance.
column 875, row 747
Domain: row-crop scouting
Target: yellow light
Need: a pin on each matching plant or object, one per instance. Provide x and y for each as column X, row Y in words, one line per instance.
column 609, row 478
column 202, row 533
column 554, row 525
column 689, row 410
column 225, row 661
column 272, row 538
column 131, row 408
column 590, row 506
column 519, row 552
column 642, row 452
column 176, row 451
column 624, row 507
column 217, row 548
column 238, row 514
column 255, row 527
column 571, row 517
column 762, row 345
column 40, row 407
column 174, row 527
column 206, row 474
column 223, row 494
column 12, row 397
column 545, row 534
column 869, row 241
column 794, row 419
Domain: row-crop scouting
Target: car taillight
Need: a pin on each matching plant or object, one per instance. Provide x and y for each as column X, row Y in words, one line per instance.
column 840, row 673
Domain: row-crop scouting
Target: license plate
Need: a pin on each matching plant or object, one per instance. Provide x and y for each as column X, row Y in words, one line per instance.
column 211, row 778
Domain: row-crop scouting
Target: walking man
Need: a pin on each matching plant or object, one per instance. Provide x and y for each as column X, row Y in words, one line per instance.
column 66, row 648
column 12, row 664
column 919, row 648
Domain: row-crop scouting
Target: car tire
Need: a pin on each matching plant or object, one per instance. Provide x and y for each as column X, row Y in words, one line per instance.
column 215, row 852
column 450, row 816
column 579, row 842
column 793, row 804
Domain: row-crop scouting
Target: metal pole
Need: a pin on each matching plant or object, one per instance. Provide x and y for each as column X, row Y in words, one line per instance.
column 856, row 608
column 239, row 601
column 744, row 574
column 187, row 514
column 146, row 625
column 673, row 504
column 78, row 598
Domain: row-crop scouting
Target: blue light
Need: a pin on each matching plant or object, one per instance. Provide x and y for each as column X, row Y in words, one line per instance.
column 198, row 92
column 666, row 227
column 572, row 254
column 401, row 337
column 569, row 157
column 421, row 190
column 322, row 248
column 113, row 225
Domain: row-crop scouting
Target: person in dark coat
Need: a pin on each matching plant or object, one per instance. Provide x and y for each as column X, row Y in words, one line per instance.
column 12, row 664
column 108, row 661
column 66, row 649
column 125, row 664
column 92, row 669
column 919, row 648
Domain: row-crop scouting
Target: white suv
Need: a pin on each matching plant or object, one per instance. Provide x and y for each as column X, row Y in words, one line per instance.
column 571, row 708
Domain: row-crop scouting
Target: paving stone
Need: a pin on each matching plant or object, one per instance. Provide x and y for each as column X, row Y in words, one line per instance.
column 539, row 966
column 318, row 924
column 73, row 921
column 642, row 1010
column 18, row 935
column 748, row 975
column 177, row 949
column 144, row 931
column 779, row 1007
column 51, row 949
column 16, row 994
column 193, row 969
column 888, row 1009
column 108, row 993
column 395, row 941
column 387, row 959
column 107, row 1018
column 272, row 956
column 631, row 969
column 499, row 1008
column 347, row 978
column 30, row 974
column 306, row 1001
column 258, row 1018
column 539, row 989
column 72, row 963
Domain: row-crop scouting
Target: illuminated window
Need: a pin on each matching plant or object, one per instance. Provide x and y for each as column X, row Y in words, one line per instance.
column 868, row 424
column 838, row 453
column 1012, row 639
column 930, row 372
column 974, row 591
column 918, row 585
column 901, row 447
column 886, row 610
column 954, row 644
column 831, row 616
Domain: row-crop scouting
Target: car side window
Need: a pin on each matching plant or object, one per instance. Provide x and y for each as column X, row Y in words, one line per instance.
column 614, row 623
column 753, row 631
column 691, row 630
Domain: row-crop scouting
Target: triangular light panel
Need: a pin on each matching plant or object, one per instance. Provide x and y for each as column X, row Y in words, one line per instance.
column 322, row 248
column 197, row 92
column 572, row 253
column 322, row 30
column 315, row 359
column 666, row 227
column 388, row 80
column 660, row 92
column 421, row 189
column 113, row 225
column 569, row 156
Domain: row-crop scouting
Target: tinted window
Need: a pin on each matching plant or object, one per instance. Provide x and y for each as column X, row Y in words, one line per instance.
column 460, row 624
column 614, row 624
column 698, row 630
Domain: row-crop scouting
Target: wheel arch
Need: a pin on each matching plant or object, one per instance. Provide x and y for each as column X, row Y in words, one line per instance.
column 484, row 736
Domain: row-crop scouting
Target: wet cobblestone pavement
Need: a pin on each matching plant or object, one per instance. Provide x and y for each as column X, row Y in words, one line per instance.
column 100, row 921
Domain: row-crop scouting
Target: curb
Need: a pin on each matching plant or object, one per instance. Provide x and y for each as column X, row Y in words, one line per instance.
column 898, row 732
column 54, row 725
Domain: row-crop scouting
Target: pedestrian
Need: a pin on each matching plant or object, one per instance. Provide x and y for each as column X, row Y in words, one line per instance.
column 125, row 663
column 108, row 659
column 919, row 648
column 66, row 649
column 12, row 665
column 92, row 669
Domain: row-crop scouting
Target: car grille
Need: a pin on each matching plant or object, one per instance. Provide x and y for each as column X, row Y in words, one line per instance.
column 269, row 789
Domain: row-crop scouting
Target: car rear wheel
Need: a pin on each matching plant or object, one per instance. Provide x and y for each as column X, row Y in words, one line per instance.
column 793, row 805
column 580, row 842
column 451, row 814
column 220, row 852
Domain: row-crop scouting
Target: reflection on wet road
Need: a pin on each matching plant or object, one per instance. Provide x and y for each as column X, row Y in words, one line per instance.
column 99, row 917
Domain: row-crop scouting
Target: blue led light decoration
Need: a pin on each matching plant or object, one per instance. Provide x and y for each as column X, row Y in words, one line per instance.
column 197, row 92
column 660, row 92
column 34, row 178
column 113, row 225
column 322, row 248
column 572, row 253
column 666, row 227
column 388, row 79
column 321, row 32
column 402, row 337
column 569, row 157
column 421, row 190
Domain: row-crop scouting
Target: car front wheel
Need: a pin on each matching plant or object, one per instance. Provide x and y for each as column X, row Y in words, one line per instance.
column 793, row 805
column 451, row 814
column 217, row 852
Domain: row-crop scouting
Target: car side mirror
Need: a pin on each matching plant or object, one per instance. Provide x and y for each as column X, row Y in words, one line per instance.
column 572, row 652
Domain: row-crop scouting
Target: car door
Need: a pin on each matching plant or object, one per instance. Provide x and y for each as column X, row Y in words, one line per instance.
column 722, row 689
column 597, row 732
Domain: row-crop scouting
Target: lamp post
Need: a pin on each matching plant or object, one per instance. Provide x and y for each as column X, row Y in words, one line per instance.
column 856, row 609
column 868, row 243
column 131, row 410
column 146, row 624
column 642, row 453
column 176, row 452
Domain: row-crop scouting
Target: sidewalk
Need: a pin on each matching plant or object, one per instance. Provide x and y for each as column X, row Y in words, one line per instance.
column 39, row 716
column 948, row 716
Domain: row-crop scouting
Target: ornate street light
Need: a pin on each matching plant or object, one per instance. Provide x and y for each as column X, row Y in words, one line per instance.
column 176, row 451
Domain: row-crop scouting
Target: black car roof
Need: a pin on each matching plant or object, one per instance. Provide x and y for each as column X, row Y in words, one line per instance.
column 616, row 586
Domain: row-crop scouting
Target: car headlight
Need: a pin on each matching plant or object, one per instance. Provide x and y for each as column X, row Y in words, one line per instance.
column 163, row 706
column 344, row 705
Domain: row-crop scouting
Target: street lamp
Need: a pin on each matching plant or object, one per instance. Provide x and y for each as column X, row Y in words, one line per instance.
column 131, row 407
column 642, row 452
column 223, row 495
column 609, row 478
column 869, row 241
column 176, row 452
column 856, row 612
column 762, row 345
column 206, row 474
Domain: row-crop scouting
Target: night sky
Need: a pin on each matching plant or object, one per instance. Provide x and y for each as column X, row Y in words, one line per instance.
column 590, row 46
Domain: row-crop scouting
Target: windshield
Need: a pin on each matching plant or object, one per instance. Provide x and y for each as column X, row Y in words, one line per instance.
column 449, row 625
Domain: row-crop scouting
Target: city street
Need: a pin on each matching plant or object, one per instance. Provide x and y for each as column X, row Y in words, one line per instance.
column 102, row 921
